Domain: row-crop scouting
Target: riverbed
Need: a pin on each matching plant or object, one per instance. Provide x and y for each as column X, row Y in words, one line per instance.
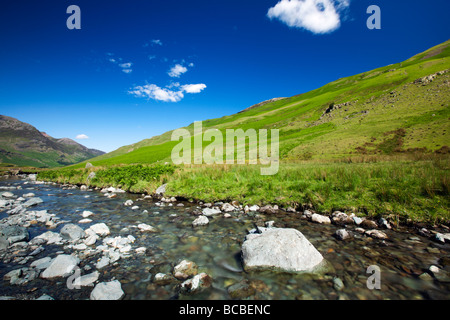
column 404, row 258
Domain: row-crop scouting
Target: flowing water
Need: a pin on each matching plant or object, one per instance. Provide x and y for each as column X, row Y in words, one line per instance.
column 215, row 248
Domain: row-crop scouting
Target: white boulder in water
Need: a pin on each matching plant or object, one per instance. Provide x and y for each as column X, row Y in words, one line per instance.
column 280, row 249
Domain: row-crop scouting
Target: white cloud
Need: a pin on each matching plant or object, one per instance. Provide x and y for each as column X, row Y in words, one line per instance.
column 126, row 67
column 317, row 16
column 81, row 137
column 150, row 57
column 193, row 88
column 157, row 42
column 152, row 91
column 177, row 70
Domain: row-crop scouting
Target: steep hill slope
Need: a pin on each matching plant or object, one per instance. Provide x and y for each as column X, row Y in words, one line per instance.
column 24, row 145
column 403, row 107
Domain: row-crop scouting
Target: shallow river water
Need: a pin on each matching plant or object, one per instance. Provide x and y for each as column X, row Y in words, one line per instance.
column 215, row 248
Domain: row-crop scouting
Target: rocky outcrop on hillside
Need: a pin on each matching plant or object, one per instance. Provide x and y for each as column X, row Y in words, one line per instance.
column 261, row 104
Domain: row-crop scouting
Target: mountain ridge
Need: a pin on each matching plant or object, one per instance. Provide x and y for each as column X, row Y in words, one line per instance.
column 24, row 145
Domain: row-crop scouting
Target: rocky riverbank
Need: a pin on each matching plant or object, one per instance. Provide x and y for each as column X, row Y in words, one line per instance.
column 78, row 251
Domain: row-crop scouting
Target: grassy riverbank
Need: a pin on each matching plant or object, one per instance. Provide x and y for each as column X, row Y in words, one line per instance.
column 404, row 189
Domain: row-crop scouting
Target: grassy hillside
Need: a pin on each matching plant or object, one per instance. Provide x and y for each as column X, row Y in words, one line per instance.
column 383, row 111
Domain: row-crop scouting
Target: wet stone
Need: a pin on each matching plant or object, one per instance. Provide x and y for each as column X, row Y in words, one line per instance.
column 241, row 290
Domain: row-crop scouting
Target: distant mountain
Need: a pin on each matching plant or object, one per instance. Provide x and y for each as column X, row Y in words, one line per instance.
column 24, row 145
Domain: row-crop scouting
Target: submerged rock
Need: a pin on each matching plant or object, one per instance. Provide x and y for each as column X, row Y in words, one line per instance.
column 342, row 234
column 280, row 249
column 163, row 279
column 145, row 227
column 198, row 282
column 86, row 214
column 240, row 290
column 185, row 269
column 200, row 221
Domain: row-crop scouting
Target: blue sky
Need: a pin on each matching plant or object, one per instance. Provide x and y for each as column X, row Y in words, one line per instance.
column 139, row 68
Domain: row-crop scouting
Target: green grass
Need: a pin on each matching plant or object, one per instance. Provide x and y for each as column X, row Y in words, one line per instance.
column 133, row 178
column 402, row 190
column 416, row 190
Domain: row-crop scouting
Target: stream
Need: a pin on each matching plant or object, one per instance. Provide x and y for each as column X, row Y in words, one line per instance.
column 404, row 259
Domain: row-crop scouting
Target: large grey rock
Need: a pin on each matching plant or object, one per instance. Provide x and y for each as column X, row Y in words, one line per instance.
column 72, row 232
column 62, row 266
column 280, row 249
column 107, row 291
column 14, row 234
